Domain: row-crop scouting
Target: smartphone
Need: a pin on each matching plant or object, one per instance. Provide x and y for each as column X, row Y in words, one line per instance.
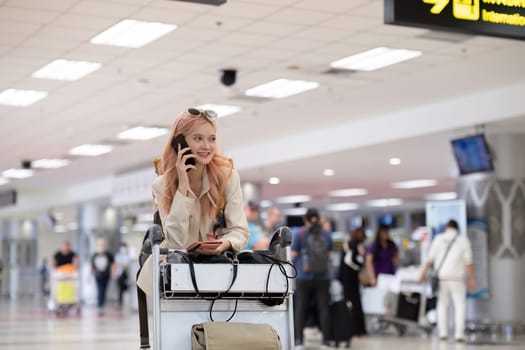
column 193, row 246
column 181, row 140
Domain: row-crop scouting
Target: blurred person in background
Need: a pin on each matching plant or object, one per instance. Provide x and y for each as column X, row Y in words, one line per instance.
column 272, row 221
column 101, row 265
column 382, row 255
column 121, row 271
column 44, row 278
column 65, row 256
column 311, row 249
column 352, row 260
column 257, row 239
column 452, row 284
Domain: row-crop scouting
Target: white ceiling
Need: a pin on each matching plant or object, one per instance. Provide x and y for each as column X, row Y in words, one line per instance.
column 263, row 40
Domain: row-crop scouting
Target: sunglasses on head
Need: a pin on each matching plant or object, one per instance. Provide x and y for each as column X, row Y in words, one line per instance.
column 207, row 113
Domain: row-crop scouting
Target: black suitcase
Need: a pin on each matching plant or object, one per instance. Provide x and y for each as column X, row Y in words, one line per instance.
column 341, row 322
column 408, row 306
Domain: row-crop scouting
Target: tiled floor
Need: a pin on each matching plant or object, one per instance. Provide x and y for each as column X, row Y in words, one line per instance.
column 29, row 326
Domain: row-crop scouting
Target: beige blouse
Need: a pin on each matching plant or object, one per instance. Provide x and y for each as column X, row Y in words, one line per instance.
column 183, row 224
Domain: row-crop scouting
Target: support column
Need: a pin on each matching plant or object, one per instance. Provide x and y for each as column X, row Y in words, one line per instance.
column 498, row 202
column 89, row 218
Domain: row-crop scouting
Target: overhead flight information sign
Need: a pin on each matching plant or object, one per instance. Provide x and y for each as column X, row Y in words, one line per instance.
column 503, row 18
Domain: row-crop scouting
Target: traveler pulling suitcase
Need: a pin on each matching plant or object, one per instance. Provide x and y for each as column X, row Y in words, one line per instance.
column 185, row 303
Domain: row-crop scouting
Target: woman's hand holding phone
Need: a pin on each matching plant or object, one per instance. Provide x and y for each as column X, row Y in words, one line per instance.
column 209, row 247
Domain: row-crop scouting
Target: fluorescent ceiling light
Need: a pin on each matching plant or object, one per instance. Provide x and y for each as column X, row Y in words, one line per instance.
column 341, row 206
column 142, row 133
column 294, row 199
column 17, row 173
column 374, row 59
column 294, row 211
column 265, row 203
column 49, row 163
column 443, row 196
column 348, row 192
column 21, row 98
column 329, row 172
column 414, row 184
column 90, row 150
column 281, row 88
column 274, row 180
column 221, row 110
column 132, row 33
column 3, row 181
column 394, row 161
column 387, row 202
column 66, row 70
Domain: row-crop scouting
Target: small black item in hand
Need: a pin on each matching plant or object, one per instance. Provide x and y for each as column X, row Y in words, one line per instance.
column 181, row 140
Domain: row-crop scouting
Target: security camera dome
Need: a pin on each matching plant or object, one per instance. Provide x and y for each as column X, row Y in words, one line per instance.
column 228, row 76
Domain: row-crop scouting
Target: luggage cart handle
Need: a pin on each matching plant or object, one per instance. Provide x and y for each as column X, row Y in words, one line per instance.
column 155, row 234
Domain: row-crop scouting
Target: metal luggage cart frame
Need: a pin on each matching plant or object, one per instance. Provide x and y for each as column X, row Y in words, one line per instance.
column 61, row 279
column 176, row 311
column 380, row 322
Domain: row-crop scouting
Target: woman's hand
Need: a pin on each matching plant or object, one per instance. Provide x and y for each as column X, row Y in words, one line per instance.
column 214, row 247
column 183, row 168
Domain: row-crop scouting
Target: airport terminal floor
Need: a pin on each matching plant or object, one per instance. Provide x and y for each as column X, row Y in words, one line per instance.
column 27, row 325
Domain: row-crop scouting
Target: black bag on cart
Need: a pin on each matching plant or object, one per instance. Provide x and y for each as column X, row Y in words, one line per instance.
column 408, row 306
column 341, row 322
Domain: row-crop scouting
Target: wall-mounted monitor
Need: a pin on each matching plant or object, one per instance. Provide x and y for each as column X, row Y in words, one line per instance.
column 472, row 154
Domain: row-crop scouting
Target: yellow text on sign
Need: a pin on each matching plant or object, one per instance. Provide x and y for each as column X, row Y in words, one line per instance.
column 439, row 5
column 466, row 9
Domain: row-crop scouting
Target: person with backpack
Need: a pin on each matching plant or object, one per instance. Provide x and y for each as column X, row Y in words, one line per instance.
column 311, row 249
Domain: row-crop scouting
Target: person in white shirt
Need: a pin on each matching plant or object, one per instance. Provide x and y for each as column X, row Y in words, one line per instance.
column 451, row 277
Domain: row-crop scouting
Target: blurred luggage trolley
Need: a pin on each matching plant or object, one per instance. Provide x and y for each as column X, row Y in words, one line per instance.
column 398, row 303
column 65, row 291
column 238, row 291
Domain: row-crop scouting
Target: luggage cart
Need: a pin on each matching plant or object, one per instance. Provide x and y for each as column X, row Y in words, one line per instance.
column 177, row 306
column 64, row 292
column 406, row 310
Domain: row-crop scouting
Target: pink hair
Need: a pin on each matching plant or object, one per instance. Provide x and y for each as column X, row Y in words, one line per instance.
column 219, row 169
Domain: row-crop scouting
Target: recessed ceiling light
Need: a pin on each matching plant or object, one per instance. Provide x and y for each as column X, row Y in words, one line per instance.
column 348, row 192
column 341, row 206
column 274, row 180
column 3, row 181
column 394, row 161
column 329, row 172
column 281, row 88
column 294, row 211
column 414, row 184
column 21, row 98
column 49, row 163
column 142, row 133
column 90, row 150
column 17, row 173
column 265, row 203
column 66, row 70
column 387, row 202
column 221, row 110
column 443, row 196
column 132, row 33
column 294, row 199
column 374, row 59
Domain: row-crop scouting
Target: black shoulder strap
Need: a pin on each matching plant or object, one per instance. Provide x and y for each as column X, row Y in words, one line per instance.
column 446, row 253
